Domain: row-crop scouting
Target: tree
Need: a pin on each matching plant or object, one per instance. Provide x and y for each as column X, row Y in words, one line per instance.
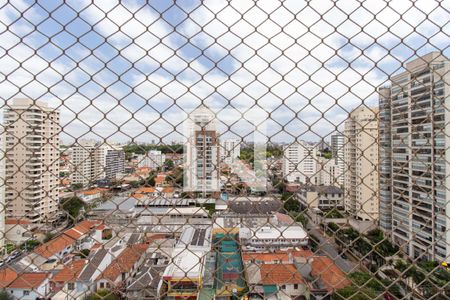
column 168, row 164
column 73, row 207
column 292, row 205
column 5, row 296
column 29, row 245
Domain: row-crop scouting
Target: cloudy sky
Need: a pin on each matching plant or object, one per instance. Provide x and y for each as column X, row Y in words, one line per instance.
column 135, row 70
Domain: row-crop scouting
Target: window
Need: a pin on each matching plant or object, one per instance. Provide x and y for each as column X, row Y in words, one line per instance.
column 70, row 286
column 26, row 292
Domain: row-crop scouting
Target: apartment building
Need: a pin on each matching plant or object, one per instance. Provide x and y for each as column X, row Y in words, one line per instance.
column 300, row 162
column 202, row 153
column 114, row 162
column 32, row 160
column 337, row 152
column 154, row 159
column 88, row 162
column 230, row 150
column 414, row 136
column 3, row 232
column 329, row 172
column 361, row 158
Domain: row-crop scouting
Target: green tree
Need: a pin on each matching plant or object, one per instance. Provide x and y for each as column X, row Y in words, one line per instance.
column 73, row 206
column 29, row 245
column 168, row 164
column 5, row 296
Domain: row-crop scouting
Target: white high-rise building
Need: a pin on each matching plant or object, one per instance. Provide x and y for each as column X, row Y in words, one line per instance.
column 329, row 172
column 361, row 156
column 415, row 158
column 337, row 151
column 32, row 160
column 154, row 159
column 300, row 162
column 230, row 150
column 114, row 162
column 89, row 162
column 202, row 153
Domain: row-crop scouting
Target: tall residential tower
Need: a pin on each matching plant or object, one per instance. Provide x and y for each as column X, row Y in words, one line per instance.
column 361, row 159
column 415, row 146
column 32, row 160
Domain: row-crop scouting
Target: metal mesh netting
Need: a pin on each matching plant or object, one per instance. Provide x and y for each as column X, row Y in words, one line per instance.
column 224, row 149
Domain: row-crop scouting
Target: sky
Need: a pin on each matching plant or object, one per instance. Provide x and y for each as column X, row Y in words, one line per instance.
column 133, row 71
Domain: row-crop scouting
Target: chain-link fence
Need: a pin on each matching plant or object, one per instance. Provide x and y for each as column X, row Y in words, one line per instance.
column 224, row 149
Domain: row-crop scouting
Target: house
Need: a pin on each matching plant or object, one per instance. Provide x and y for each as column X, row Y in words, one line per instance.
column 63, row 283
column 321, row 197
column 92, row 194
column 7, row 276
column 121, row 271
column 30, row 286
column 273, row 238
column 144, row 192
column 167, row 192
column 59, row 248
column 332, row 277
column 18, row 231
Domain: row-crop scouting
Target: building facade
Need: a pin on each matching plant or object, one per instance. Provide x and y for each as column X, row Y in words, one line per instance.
column 230, row 150
column 337, row 152
column 114, row 162
column 361, row 157
column 300, row 162
column 415, row 123
column 329, row 172
column 154, row 159
column 202, row 156
column 32, row 160
column 89, row 162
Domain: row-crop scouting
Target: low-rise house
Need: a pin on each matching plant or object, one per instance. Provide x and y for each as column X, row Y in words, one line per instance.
column 18, row 231
column 147, row 282
column 30, row 286
column 273, row 238
column 7, row 276
column 59, row 249
column 120, row 273
column 321, row 197
column 63, row 283
column 145, row 192
column 91, row 195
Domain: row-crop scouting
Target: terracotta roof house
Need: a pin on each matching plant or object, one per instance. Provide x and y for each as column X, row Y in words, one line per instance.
column 120, row 272
column 64, row 282
column 30, row 286
column 7, row 275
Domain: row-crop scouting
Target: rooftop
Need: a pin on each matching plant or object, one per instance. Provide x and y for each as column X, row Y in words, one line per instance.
column 70, row 272
column 29, row 280
column 286, row 232
column 329, row 273
column 124, row 262
column 7, row 275
column 280, row 274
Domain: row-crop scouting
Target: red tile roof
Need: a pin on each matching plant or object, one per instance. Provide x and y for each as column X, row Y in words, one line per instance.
column 54, row 246
column 16, row 221
column 28, row 281
column 124, row 262
column 331, row 275
column 70, row 272
column 280, row 274
column 66, row 239
column 7, row 275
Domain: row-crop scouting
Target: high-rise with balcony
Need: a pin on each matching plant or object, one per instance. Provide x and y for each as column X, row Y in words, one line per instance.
column 337, row 152
column 202, row 156
column 32, row 160
column 415, row 111
column 300, row 162
column 88, row 162
column 361, row 162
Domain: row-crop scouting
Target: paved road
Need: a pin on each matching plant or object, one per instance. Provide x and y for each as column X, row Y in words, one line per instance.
column 329, row 248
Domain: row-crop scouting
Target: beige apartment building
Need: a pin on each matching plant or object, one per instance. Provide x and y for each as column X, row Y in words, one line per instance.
column 361, row 164
column 88, row 160
column 32, row 160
